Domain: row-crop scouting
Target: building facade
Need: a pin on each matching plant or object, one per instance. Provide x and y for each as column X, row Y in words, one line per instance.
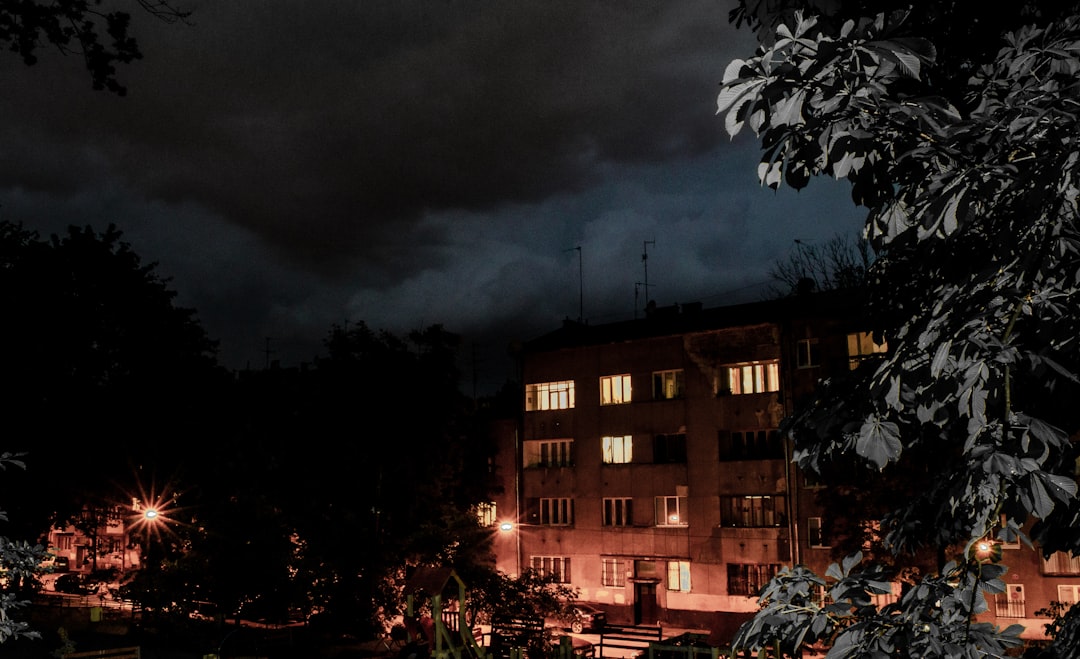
column 648, row 470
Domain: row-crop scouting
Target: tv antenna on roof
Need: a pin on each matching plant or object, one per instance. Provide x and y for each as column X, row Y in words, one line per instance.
column 645, row 262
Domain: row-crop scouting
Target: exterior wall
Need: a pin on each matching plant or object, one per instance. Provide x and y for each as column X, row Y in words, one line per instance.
column 706, row 411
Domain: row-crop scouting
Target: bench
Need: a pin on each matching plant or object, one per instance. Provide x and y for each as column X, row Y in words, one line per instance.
column 629, row 637
column 508, row 633
column 112, row 653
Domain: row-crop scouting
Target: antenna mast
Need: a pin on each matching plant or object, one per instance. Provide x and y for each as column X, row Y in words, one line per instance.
column 645, row 262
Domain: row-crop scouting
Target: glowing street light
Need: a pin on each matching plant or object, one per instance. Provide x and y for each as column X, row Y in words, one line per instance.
column 987, row 549
column 151, row 514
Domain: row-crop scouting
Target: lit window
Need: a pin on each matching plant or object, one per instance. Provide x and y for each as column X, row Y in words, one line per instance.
column 557, row 511
column 754, row 378
column 614, row 389
column 815, row 533
column 549, row 396
column 806, row 353
column 485, row 513
column 548, row 453
column 678, row 576
column 748, row 579
column 860, row 345
column 753, row 511
column 1061, row 562
column 618, row 449
column 556, row 565
column 671, row 511
column 613, row 572
column 1068, row 593
column 667, row 384
column 618, row 511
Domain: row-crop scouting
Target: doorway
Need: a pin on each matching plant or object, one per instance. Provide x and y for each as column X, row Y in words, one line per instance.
column 645, row 609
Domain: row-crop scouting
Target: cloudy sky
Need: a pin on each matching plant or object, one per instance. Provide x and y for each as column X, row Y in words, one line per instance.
column 295, row 164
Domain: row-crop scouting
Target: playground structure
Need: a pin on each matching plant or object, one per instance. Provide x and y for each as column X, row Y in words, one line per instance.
column 443, row 634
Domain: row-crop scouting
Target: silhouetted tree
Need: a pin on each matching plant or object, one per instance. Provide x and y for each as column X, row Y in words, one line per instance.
column 842, row 262
column 19, row 564
column 106, row 379
column 78, row 27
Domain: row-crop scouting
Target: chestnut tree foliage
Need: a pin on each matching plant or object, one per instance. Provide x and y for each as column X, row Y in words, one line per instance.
column 969, row 165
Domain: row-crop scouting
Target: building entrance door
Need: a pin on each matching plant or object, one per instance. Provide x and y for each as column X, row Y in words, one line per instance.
column 645, row 609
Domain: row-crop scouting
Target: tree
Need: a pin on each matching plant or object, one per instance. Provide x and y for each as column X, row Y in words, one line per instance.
column 93, row 346
column 961, row 140
column 79, row 27
column 19, row 562
column 839, row 263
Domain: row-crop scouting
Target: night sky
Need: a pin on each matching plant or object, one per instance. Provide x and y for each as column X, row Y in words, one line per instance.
column 291, row 165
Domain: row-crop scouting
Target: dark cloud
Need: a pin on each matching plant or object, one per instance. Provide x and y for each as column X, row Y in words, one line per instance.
column 294, row 164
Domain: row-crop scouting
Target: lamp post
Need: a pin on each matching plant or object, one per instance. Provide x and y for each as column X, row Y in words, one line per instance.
column 505, row 527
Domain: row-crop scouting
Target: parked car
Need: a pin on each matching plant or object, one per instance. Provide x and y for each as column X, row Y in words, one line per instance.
column 74, row 583
column 587, row 617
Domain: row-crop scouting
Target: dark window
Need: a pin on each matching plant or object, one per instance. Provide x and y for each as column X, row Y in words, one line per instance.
column 753, row 511
column 748, row 579
column 750, row 445
column 669, row 448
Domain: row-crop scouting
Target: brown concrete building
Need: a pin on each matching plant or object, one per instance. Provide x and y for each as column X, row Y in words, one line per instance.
column 648, row 470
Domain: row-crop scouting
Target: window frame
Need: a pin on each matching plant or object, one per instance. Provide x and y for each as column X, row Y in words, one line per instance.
column 669, row 448
column 749, row 511
column 612, row 572
column 815, row 538
column 669, row 384
column 617, row 512
column 750, row 577
column 557, row 565
column 807, row 353
column 556, row 511
column 546, row 396
column 559, row 452
column 617, row 449
column 861, row 346
column 616, row 389
column 678, row 576
column 681, row 514
column 1072, row 589
column 1060, row 563
column 763, row 444
column 757, row 377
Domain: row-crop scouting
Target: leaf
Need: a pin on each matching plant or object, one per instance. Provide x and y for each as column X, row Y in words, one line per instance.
column 1062, row 488
column 879, row 442
column 851, row 561
column 733, row 69
column 770, row 173
column 892, row 397
column 789, row 110
column 941, row 357
column 1041, row 505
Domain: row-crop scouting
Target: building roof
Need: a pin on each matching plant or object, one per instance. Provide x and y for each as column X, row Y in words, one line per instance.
column 691, row 317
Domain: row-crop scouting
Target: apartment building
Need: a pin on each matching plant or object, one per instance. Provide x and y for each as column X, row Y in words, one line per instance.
column 649, row 472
